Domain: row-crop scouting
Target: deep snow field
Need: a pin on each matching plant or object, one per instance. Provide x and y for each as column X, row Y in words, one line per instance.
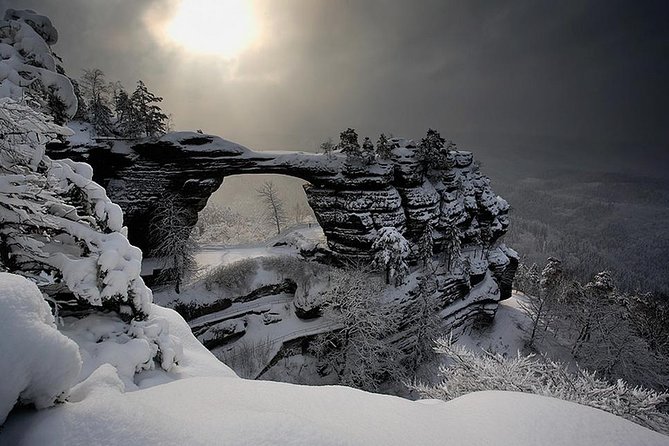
column 202, row 402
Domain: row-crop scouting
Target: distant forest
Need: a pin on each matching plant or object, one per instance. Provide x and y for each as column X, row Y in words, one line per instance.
column 593, row 222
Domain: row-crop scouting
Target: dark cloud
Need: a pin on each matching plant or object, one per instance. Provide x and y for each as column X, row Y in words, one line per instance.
column 584, row 76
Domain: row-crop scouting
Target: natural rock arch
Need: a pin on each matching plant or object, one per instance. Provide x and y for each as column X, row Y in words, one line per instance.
column 351, row 200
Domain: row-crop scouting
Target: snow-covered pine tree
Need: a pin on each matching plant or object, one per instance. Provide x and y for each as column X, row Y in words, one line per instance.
column 56, row 107
column 426, row 245
column 150, row 116
column 451, row 244
column 48, row 205
column 429, row 150
column 383, row 147
column 100, row 116
column 368, row 151
column 349, row 145
column 428, row 325
column 127, row 123
column 391, row 250
column 527, row 279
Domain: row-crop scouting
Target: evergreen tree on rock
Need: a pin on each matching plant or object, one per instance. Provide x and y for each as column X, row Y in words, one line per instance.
column 127, row 123
column 452, row 244
column 368, row 152
column 150, row 116
column 391, row 250
column 433, row 151
column 426, row 245
column 383, row 147
column 349, row 145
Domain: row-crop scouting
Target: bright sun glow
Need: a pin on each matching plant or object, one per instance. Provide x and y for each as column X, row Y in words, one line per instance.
column 221, row 27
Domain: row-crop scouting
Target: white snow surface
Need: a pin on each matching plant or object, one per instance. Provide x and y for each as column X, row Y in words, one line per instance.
column 222, row 411
column 104, row 341
column 37, row 363
column 25, row 57
column 201, row 402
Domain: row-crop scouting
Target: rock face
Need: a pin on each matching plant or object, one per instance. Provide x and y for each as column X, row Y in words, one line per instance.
column 351, row 200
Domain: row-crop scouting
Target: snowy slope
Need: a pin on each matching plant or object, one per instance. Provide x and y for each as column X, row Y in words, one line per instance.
column 202, row 402
column 238, row 412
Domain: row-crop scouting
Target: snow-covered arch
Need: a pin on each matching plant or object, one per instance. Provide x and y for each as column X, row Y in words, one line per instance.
column 351, row 200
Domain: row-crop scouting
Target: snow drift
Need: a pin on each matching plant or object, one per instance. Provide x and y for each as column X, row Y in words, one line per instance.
column 38, row 364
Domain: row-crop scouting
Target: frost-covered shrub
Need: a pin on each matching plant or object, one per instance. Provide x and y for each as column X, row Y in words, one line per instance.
column 38, row 364
column 234, row 277
column 285, row 267
column 304, row 273
column 247, row 359
column 466, row 372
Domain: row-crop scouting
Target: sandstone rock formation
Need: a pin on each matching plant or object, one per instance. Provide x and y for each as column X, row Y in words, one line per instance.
column 351, row 200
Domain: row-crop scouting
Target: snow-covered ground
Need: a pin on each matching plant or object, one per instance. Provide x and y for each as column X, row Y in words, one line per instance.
column 201, row 403
column 504, row 335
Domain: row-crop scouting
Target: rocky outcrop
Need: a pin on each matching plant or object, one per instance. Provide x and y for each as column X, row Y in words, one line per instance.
column 351, row 200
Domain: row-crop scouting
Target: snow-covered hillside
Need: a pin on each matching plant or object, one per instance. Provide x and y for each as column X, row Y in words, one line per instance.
column 203, row 403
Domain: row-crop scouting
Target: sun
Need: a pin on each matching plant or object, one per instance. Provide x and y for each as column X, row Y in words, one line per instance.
column 218, row 27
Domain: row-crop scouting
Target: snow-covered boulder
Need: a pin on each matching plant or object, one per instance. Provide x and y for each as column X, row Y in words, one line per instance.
column 38, row 364
column 27, row 64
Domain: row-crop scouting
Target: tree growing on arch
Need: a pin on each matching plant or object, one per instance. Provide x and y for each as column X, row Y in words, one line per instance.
column 391, row 250
column 150, row 116
column 433, row 151
column 127, row 123
column 95, row 90
column 384, row 148
column 275, row 209
column 327, row 147
column 349, row 145
column 368, row 152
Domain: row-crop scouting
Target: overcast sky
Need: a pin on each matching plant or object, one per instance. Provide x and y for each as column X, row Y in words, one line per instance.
column 489, row 75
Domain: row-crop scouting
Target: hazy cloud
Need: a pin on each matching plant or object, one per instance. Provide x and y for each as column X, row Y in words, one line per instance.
column 573, row 74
